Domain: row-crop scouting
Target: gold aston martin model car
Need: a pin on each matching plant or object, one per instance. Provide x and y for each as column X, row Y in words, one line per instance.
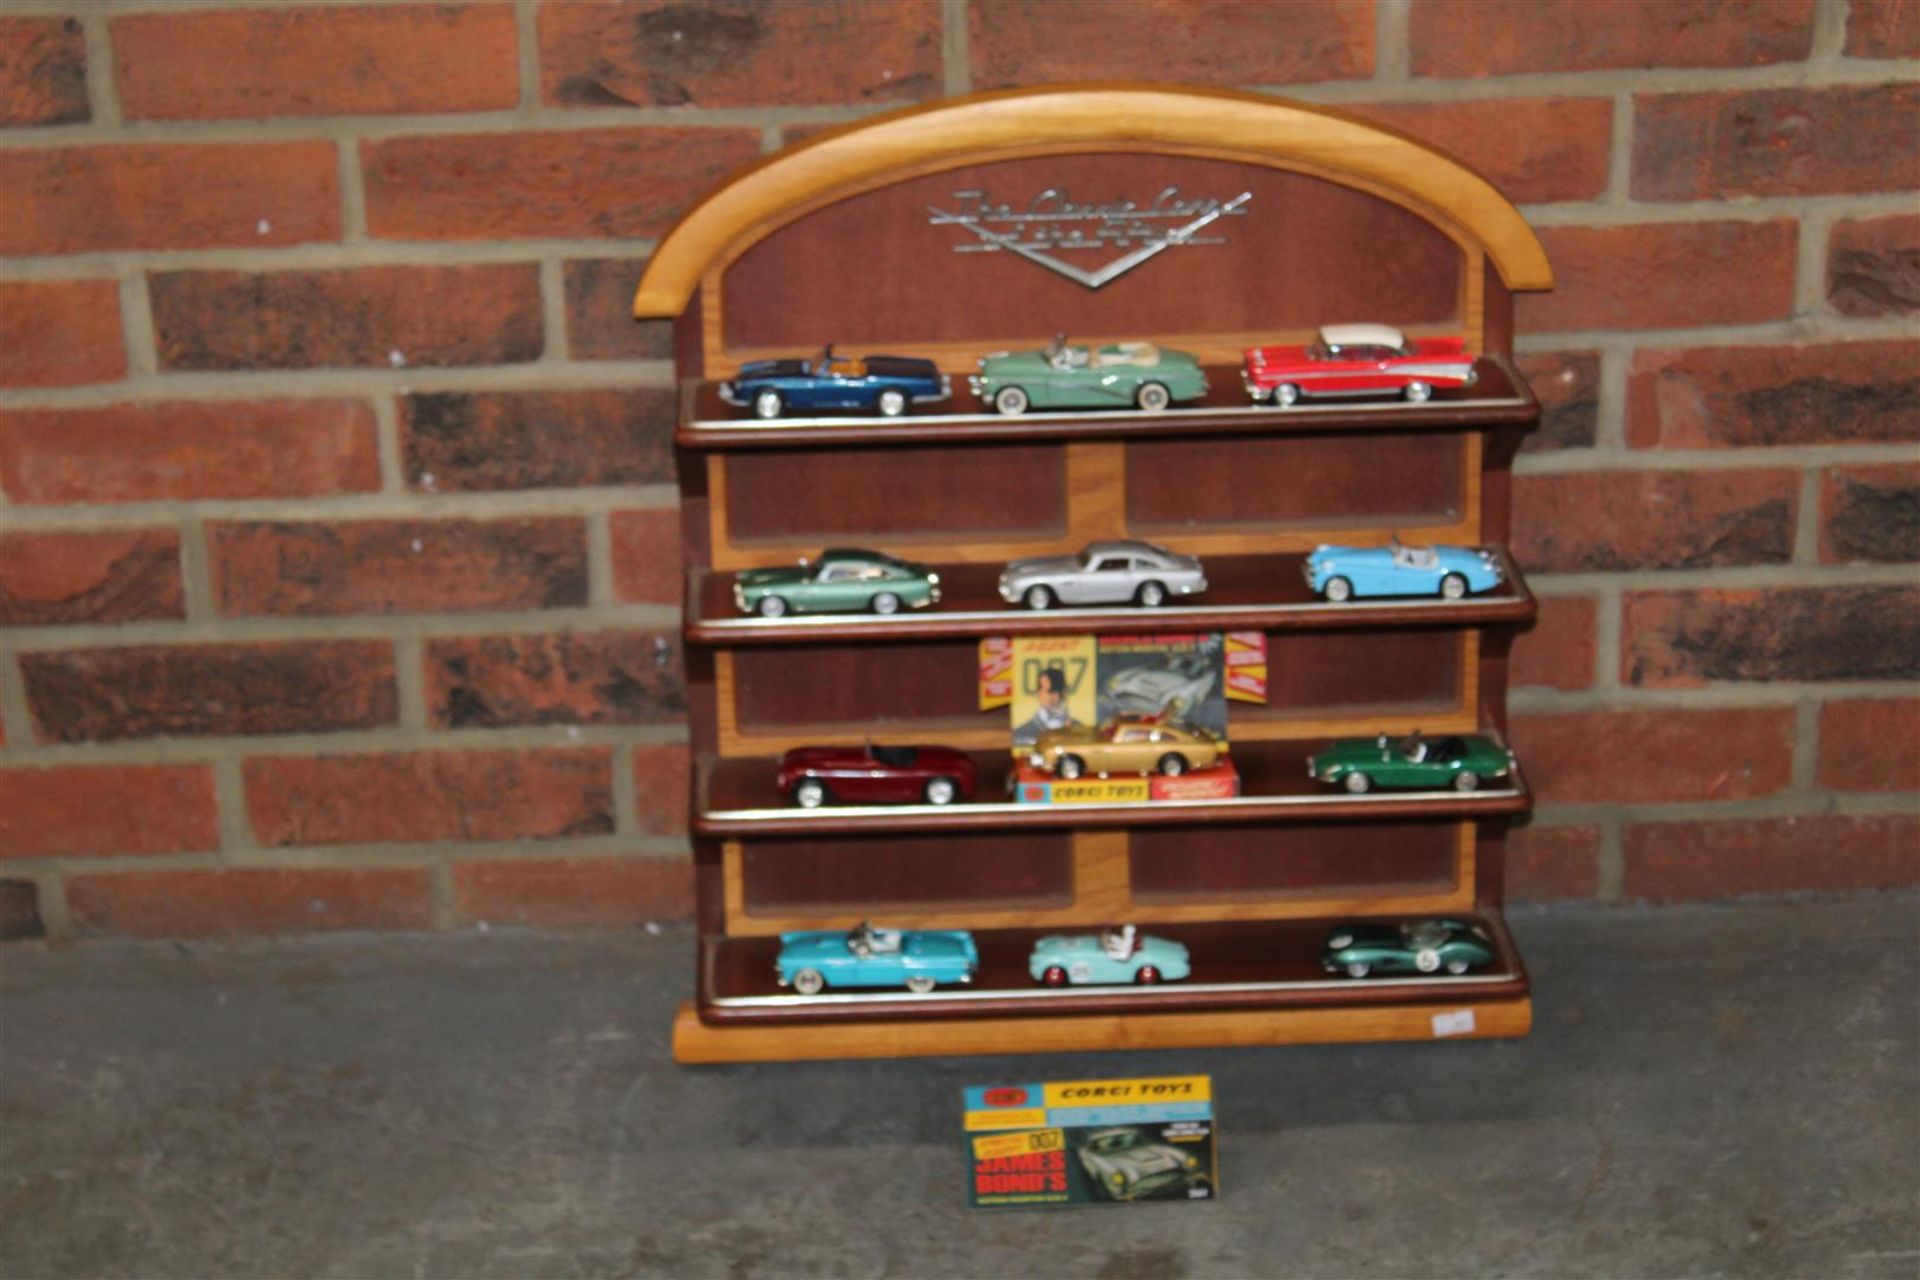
column 1125, row 745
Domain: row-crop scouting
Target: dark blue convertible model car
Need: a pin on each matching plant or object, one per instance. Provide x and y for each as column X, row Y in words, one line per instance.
column 884, row 383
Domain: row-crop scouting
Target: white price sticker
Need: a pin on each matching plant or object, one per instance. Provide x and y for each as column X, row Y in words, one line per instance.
column 1453, row 1024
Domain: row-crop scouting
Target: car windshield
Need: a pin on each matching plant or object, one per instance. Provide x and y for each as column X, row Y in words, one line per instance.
column 893, row 757
column 1415, row 557
column 1109, row 1142
column 1425, row 933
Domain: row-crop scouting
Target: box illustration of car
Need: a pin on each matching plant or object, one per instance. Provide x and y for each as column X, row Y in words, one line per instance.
column 1124, row 745
column 842, row 580
column 811, row 960
column 1118, row 955
column 1460, row 761
column 1125, row 1164
column 1136, row 375
column 1116, row 572
column 883, row 384
column 1417, row 946
column 1171, row 690
column 1348, row 573
column 1356, row 360
column 873, row 774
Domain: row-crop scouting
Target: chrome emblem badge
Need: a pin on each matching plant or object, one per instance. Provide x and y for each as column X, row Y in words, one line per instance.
column 1051, row 225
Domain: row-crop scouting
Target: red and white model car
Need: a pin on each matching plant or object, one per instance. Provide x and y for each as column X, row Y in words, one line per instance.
column 1357, row 360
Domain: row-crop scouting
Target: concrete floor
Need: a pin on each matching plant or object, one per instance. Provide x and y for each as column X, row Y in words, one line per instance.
column 1715, row 1091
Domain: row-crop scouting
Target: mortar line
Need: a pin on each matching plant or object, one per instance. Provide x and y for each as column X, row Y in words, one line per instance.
column 353, row 193
column 103, row 95
column 387, row 445
column 1610, row 408
column 1810, row 265
column 1392, row 42
column 557, row 341
column 626, row 798
column 601, row 590
column 526, row 35
column 137, row 327
column 1619, row 189
column 1607, row 654
column 394, row 741
column 196, row 573
column 1756, row 696
column 237, row 838
column 56, row 917
column 410, row 683
column 15, row 713
column 1806, row 532
column 1828, row 48
column 1610, row 862
column 1806, row 745
column 367, row 856
column 282, row 384
column 956, row 52
column 455, row 504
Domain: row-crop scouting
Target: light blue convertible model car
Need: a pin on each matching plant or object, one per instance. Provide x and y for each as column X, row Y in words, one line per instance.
column 1344, row 573
column 1113, row 956
column 869, row 956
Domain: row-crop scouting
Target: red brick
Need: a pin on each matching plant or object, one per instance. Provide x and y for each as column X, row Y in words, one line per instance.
column 1664, row 276
column 1870, row 513
column 430, row 796
column 738, row 54
column 598, row 182
column 1592, row 757
column 60, row 333
column 1587, row 522
column 1870, row 744
column 153, row 195
column 1715, row 397
column 285, row 569
column 1553, row 864
column 81, row 811
column 600, row 323
column 1883, row 29
column 574, row 893
column 1775, row 142
column 59, row 578
column 180, row 451
column 197, row 904
column 189, row 691
column 379, row 317
column 1219, row 41
column 459, row 441
column 1830, row 853
column 661, row 789
column 315, row 60
column 1678, row 639
column 1536, row 150
column 1558, row 653
column 610, row 677
column 43, row 72
column 1873, row 265
column 1474, row 38
column 1567, row 384
column 646, row 556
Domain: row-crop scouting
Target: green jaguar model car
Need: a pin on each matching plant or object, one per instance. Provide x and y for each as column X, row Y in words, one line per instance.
column 842, row 580
column 1122, row 375
column 1460, row 761
column 1417, row 946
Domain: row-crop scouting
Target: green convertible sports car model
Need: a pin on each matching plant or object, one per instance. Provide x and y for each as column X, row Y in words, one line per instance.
column 1460, row 761
column 842, row 580
column 1123, row 375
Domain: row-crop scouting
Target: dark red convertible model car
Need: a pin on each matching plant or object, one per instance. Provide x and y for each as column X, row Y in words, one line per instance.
column 871, row 774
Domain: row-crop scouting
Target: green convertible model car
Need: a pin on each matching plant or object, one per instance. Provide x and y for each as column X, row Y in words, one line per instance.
column 1460, row 761
column 842, row 580
column 1123, row 375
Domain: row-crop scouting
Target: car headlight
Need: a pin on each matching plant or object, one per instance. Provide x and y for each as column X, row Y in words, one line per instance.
column 1117, row 1179
column 1192, row 1163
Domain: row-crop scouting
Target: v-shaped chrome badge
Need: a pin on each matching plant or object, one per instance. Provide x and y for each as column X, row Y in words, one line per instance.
column 1124, row 225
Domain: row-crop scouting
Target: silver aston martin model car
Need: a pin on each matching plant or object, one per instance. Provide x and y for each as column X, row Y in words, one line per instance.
column 1104, row 573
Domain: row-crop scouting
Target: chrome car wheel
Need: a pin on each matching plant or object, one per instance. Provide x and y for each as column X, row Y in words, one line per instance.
column 1453, row 587
column 1151, row 595
column 1457, row 966
column 1173, row 764
column 1010, row 400
column 1357, row 783
column 1152, row 397
column 920, row 984
column 772, row 607
column 1338, row 590
column 1070, row 767
column 892, row 402
column 809, row 982
column 768, row 404
column 886, row 602
column 1038, row 598
column 1359, row 969
column 809, row 793
column 941, row 791
column 1286, row 394
column 1419, row 392
column 1466, row 781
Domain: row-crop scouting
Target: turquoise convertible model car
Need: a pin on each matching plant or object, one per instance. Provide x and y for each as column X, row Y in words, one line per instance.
column 1114, row 956
column 1345, row 573
column 869, row 956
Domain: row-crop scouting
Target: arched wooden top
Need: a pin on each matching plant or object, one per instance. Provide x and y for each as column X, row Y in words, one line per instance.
column 1064, row 118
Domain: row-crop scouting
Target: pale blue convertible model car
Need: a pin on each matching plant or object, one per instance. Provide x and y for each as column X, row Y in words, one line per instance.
column 1114, row 956
column 1344, row 573
column 869, row 956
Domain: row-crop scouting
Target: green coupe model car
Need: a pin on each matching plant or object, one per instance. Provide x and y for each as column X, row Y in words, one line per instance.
column 842, row 580
column 1418, row 946
column 1459, row 761
column 1123, row 375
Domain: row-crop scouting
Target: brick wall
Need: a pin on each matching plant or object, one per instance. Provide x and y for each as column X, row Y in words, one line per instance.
column 337, row 491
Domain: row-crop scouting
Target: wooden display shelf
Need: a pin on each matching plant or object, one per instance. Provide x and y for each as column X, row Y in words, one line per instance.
column 1500, row 397
column 1244, row 593
column 736, row 797
column 1238, row 966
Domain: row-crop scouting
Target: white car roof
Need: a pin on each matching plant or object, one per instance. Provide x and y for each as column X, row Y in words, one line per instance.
column 1362, row 335
column 1124, row 547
